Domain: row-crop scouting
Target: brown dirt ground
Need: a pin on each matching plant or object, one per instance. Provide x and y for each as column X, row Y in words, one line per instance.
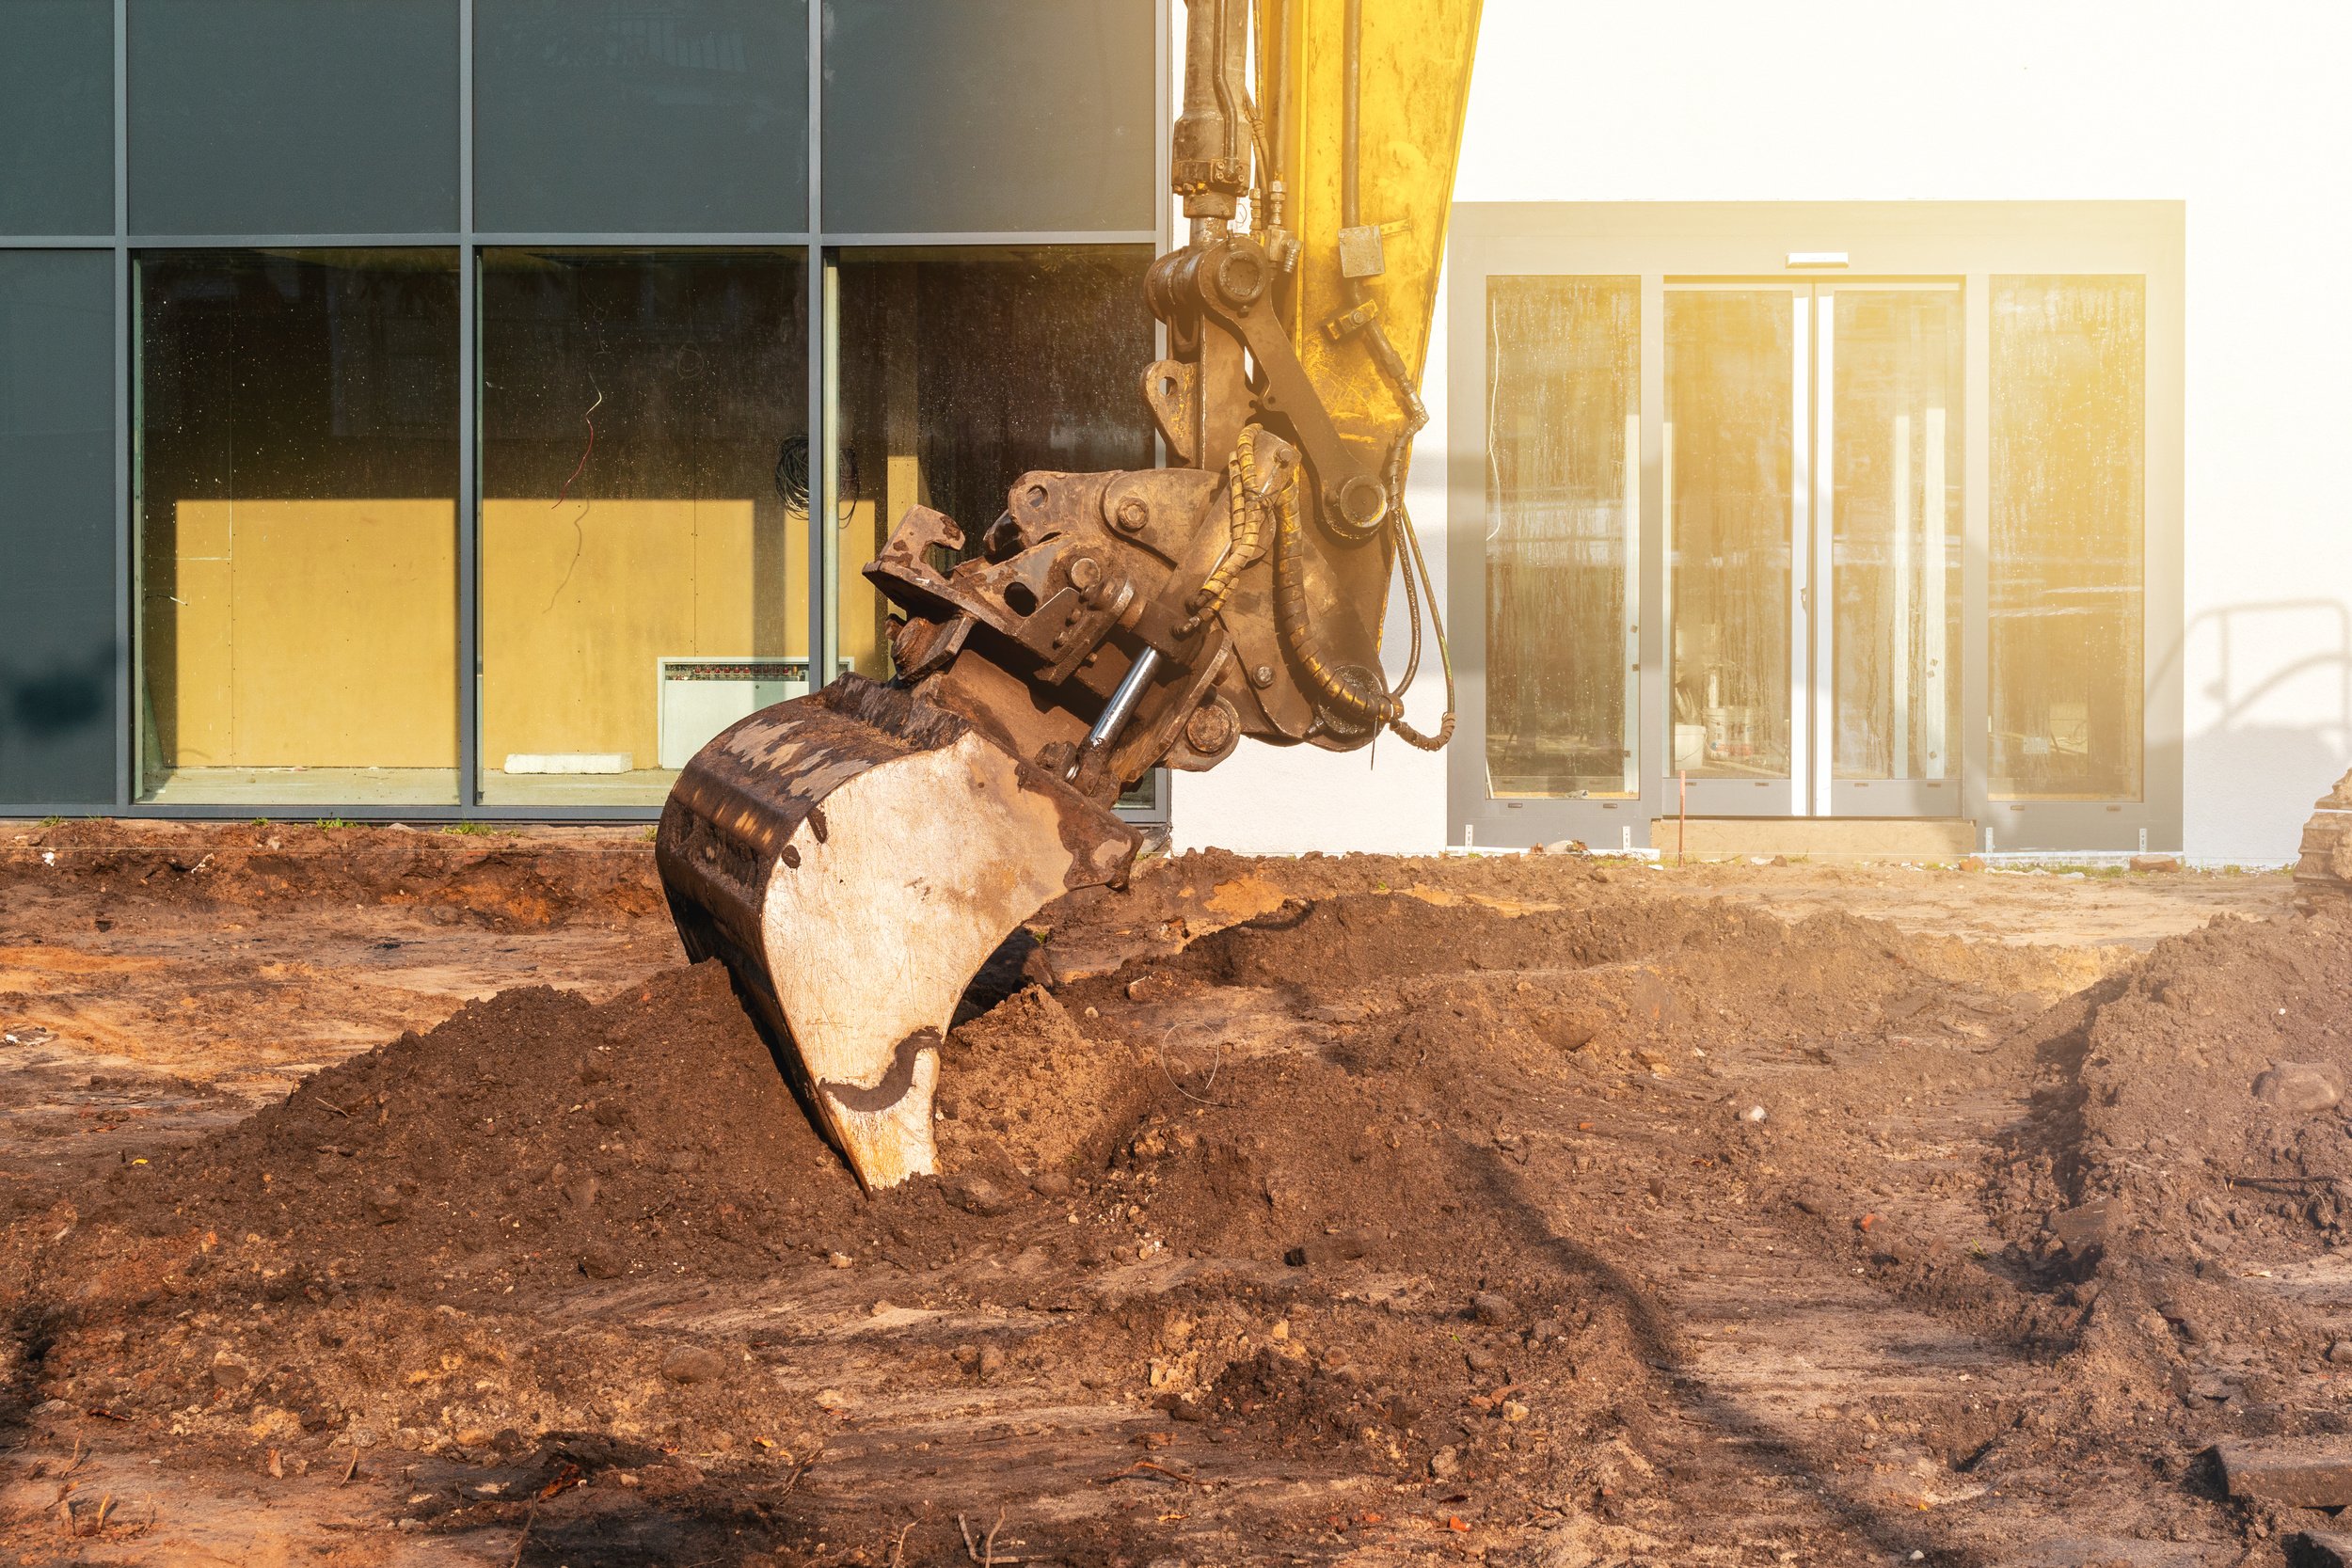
column 1529, row 1209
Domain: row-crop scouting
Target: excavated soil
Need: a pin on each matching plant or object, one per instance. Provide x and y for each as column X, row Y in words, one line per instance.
column 1532, row 1210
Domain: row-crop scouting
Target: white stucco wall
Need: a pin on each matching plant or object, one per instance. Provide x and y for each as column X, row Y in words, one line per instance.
column 2238, row 112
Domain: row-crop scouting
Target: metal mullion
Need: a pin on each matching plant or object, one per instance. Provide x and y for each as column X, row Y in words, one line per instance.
column 633, row 239
column 1799, row 585
column 1001, row 237
column 468, row 527
column 1653, row 568
column 1821, row 569
column 126, row 599
column 56, row 242
column 429, row 239
column 300, row 811
column 821, row 475
column 824, row 657
column 1976, row 511
column 468, row 438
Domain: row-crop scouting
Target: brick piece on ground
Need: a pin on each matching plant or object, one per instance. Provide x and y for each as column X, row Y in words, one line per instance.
column 2298, row 1472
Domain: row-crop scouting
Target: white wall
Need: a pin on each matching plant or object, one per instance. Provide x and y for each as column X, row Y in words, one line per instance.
column 2239, row 112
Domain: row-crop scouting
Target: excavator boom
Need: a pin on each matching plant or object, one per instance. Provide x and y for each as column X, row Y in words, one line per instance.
column 854, row 856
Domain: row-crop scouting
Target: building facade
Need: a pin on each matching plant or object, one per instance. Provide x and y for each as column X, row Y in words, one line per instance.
column 407, row 407
column 1918, row 414
column 1905, row 415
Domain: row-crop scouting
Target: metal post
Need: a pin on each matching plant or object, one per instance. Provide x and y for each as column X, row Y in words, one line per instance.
column 821, row 474
column 469, row 436
column 126, row 575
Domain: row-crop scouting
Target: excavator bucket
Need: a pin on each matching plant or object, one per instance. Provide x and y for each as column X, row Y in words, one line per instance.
column 854, row 857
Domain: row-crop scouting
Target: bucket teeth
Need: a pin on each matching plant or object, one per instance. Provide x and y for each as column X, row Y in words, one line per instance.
column 854, row 857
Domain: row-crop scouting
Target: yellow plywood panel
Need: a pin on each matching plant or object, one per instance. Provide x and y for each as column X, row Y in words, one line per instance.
column 792, row 587
column 195, row 711
column 861, row 608
column 727, row 573
column 315, row 634
column 581, row 602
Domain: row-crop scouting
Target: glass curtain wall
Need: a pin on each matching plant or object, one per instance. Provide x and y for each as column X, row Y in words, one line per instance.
column 59, row 719
column 473, row 351
column 644, row 512
column 297, row 482
column 961, row 369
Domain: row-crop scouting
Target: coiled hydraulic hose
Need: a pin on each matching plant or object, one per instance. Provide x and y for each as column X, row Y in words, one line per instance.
column 1245, row 524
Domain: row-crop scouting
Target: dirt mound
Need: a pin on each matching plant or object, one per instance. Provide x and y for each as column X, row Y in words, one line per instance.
column 380, row 1221
column 1599, row 981
column 1024, row 1094
column 530, row 1135
column 536, row 1137
column 2203, row 1106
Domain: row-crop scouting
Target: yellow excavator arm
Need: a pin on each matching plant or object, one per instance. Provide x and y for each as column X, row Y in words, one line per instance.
column 1410, row 83
column 854, row 856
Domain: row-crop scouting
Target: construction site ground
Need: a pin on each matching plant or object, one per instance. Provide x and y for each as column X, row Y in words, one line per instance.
column 385, row 1196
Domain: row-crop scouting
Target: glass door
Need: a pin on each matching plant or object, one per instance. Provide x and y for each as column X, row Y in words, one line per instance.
column 1735, row 473
column 1811, row 468
column 1887, row 532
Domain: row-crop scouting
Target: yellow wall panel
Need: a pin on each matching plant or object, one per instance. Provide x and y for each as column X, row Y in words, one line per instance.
column 316, row 634
column 197, row 617
column 725, row 578
column 581, row 602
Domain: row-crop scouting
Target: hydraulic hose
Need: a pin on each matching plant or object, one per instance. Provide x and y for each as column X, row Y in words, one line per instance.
column 1400, row 378
column 1292, row 623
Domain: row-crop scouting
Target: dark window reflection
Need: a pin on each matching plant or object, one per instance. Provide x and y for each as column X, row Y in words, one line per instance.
column 961, row 370
column 640, row 116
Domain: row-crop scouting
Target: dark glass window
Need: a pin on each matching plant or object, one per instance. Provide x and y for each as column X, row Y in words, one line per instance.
column 644, row 512
column 989, row 116
column 57, row 117
column 293, row 116
column 58, row 598
column 2068, row 572
column 640, row 116
column 961, row 370
column 297, row 485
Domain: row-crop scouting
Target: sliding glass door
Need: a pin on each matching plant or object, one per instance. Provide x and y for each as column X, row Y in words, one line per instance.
column 1811, row 476
column 1744, row 526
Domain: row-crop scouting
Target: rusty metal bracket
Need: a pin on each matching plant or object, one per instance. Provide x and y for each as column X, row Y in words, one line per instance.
column 1228, row 278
